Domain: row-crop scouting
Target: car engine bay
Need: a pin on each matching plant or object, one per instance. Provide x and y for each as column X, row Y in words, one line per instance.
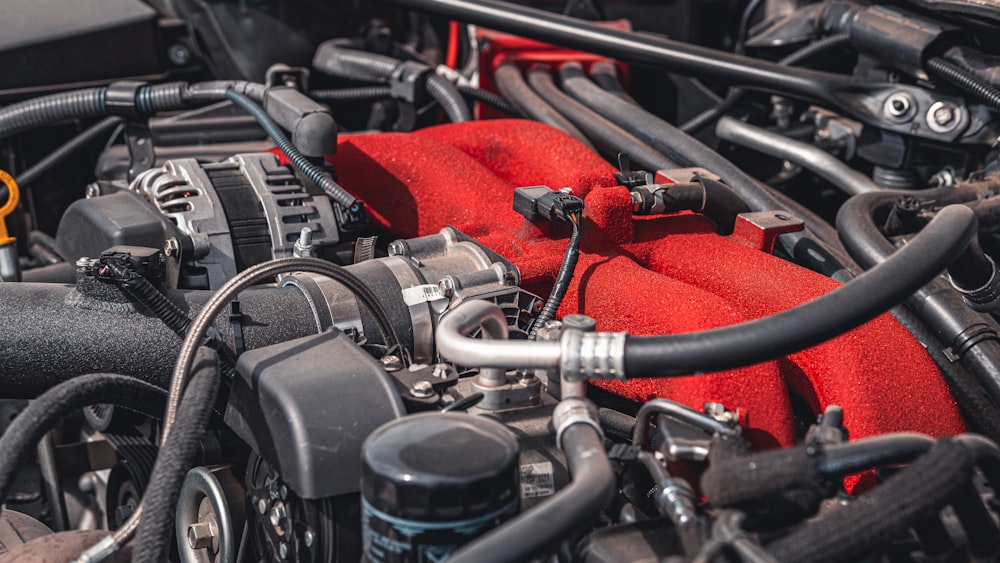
column 481, row 281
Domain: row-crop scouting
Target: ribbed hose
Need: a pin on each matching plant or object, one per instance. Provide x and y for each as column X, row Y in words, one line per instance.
column 610, row 138
column 490, row 99
column 18, row 442
column 511, row 84
column 914, row 494
column 737, row 95
column 446, row 94
column 55, row 108
column 360, row 93
column 563, row 278
column 139, row 288
column 317, row 175
column 176, row 456
column 964, row 79
column 813, row 322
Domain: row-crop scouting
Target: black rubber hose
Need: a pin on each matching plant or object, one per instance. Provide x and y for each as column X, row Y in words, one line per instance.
column 736, row 95
column 689, row 151
column 843, row 459
column 608, row 137
column 605, row 74
column 511, row 84
column 972, row 337
column 177, row 455
column 987, row 456
column 490, row 99
column 914, row 494
column 359, row 93
column 97, row 131
column 563, row 278
column 811, row 323
column 708, row 197
column 538, row 531
column 362, row 65
column 317, row 175
column 964, row 79
column 19, row 441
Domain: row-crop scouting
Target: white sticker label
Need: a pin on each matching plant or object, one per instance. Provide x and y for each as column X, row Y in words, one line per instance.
column 421, row 294
column 537, row 480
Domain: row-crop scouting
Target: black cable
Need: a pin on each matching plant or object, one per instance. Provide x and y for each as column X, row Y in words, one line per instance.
column 359, row 93
column 964, row 79
column 176, row 456
column 736, row 95
column 43, row 166
column 610, row 138
column 490, row 99
column 317, row 175
column 813, row 322
column 19, row 440
column 511, row 84
column 465, row 403
column 844, row 459
column 563, row 278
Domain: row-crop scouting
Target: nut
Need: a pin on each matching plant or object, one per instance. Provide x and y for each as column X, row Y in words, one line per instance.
column 422, row 389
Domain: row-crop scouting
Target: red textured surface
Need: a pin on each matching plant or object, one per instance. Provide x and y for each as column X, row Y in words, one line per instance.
column 645, row 276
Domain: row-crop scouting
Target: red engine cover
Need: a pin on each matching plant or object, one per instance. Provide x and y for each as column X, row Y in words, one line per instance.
column 646, row 276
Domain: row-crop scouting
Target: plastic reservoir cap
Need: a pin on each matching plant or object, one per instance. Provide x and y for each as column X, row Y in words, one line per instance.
column 440, row 467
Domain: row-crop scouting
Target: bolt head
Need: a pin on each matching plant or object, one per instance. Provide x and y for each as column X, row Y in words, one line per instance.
column 397, row 248
column 283, row 550
column 308, row 538
column 422, row 389
column 899, row 106
column 92, row 191
column 172, row 247
column 943, row 115
column 200, row 535
column 447, row 286
column 178, row 54
column 391, row 362
column 262, row 506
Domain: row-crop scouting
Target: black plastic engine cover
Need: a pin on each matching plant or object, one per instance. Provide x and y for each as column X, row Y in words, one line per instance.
column 306, row 406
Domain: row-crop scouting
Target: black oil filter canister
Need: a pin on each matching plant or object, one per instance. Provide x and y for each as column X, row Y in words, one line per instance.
column 432, row 482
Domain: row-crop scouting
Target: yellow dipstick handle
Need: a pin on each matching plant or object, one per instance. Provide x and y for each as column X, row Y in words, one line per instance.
column 12, row 198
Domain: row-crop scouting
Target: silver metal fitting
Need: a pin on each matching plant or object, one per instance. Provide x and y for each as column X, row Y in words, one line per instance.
column 574, row 410
column 985, row 299
column 676, row 499
column 304, row 244
column 592, row 355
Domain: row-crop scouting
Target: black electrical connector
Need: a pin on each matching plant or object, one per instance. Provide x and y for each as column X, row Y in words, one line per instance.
column 542, row 202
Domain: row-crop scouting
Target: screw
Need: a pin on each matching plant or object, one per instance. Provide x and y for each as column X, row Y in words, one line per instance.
column 172, row 247
column 303, row 246
column 899, row 106
column 178, row 54
column 447, row 286
column 200, row 535
column 943, row 117
column 283, row 550
column 92, row 191
column 422, row 389
column 308, row 538
column 397, row 248
column 262, row 506
column 278, row 514
column 392, row 362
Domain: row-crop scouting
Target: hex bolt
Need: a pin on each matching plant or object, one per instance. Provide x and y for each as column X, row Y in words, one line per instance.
column 422, row 389
column 391, row 362
column 172, row 247
column 943, row 117
column 899, row 106
column 303, row 246
column 262, row 506
column 397, row 248
column 447, row 286
column 308, row 538
column 278, row 514
column 283, row 550
column 200, row 535
column 178, row 54
column 283, row 492
column 92, row 191
column 83, row 262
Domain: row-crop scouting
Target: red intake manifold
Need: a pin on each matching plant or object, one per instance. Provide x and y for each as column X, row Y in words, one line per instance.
column 653, row 275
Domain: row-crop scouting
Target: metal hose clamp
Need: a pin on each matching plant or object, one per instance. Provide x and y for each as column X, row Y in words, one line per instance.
column 592, row 355
column 572, row 411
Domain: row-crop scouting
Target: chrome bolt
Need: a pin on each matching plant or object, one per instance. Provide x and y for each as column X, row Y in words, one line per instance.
column 92, row 191
column 397, row 248
column 308, row 538
column 262, row 506
column 283, row 550
column 392, row 362
column 200, row 535
column 83, row 262
column 283, row 492
column 447, row 286
column 172, row 247
column 303, row 246
column 899, row 106
column 943, row 117
column 278, row 514
column 178, row 54
column 422, row 389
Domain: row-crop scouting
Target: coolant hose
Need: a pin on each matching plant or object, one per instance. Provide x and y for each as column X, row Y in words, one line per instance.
column 608, row 137
column 814, row 159
column 972, row 337
column 915, row 494
column 361, row 65
column 811, row 323
column 21, row 437
column 511, row 84
column 176, row 456
column 537, row 532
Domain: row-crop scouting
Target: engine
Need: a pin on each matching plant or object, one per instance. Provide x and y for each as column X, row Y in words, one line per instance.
column 436, row 280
